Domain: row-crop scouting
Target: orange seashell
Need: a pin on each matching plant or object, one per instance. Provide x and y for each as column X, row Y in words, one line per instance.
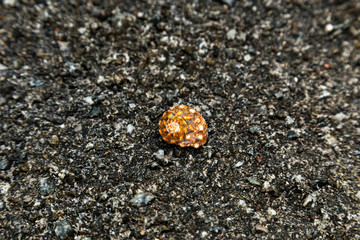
column 184, row 126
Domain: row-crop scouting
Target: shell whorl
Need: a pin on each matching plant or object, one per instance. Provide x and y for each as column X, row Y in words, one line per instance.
column 184, row 126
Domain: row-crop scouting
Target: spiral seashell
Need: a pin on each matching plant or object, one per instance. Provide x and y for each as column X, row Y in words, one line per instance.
column 184, row 126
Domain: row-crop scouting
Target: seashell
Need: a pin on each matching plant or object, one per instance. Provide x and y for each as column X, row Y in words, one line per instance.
column 184, row 126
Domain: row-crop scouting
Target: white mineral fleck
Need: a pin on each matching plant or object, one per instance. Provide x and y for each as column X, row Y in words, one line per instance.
column 271, row 211
column 130, row 128
column 247, row 57
column 266, row 185
column 200, row 213
column 239, row 164
column 89, row 146
column 4, row 188
column 231, row 34
column 9, row 3
column 309, row 198
column 82, row 30
column 159, row 154
column 329, row 27
column 324, row 94
column 3, row 67
column 89, row 100
column 289, row 120
column 358, row 195
column 339, row 117
column 297, row 178
column 142, row 199
column 78, row 128
column 242, row 203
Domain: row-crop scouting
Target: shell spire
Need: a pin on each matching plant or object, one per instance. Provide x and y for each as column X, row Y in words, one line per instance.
column 184, row 126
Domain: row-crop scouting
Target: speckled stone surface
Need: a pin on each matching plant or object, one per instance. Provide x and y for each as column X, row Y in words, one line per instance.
column 83, row 85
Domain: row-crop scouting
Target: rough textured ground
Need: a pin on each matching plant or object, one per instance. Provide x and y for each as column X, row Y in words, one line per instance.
column 84, row 84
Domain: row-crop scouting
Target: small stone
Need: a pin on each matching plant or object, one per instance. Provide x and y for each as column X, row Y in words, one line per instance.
column 247, row 57
column 82, row 30
column 339, row 117
column 161, row 58
column 243, row 36
column 329, row 27
column 57, row 120
column 72, row 67
column 309, row 198
column 21, row 157
column 251, row 151
column 217, row 229
column 324, row 94
column 118, row 79
column 100, row 98
column 289, row 120
column 45, row 186
column 278, row 94
column 159, row 154
column 358, row 195
column 230, row 52
column 2, row 205
column 271, row 211
column 95, row 112
column 231, row 34
column 266, row 185
column 89, row 100
column 201, row 213
column 281, row 114
column 4, row 188
column 132, row 105
column 36, row 83
column 242, row 203
column 78, row 128
column 104, row 196
column 253, row 181
column 130, row 128
column 229, row 2
column 17, row 63
column 261, row 228
column 54, row 140
column 24, row 167
column 2, row 100
column 255, row 129
column 154, row 166
column 89, row 146
column 298, row 178
column 142, row 199
column 63, row 230
column 37, row 203
column 63, row 46
column 239, row 164
column 292, row 135
column 4, row 164
column 202, row 48
column 271, row 113
column 331, row 140
column 9, row 3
